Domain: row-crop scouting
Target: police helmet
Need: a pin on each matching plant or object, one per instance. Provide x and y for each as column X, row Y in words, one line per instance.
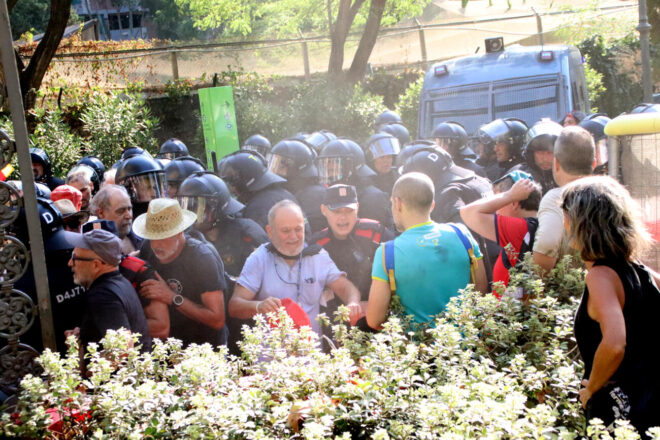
column 646, row 108
column 381, row 144
column 39, row 156
column 454, row 136
column 386, row 118
column 398, row 131
column 438, row 165
column 178, row 169
column 319, row 139
column 143, row 178
column 413, row 148
column 361, row 169
column 246, row 171
column 336, row 162
column 257, row 143
column 541, row 137
column 292, row 159
column 172, row 148
column 208, row 196
column 510, row 131
column 96, row 164
column 53, row 233
column 134, row 151
column 595, row 124
column 89, row 172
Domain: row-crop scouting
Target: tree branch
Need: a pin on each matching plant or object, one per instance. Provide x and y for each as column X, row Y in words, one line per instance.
column 11, row 4
column 34, row 73
column 367, row 41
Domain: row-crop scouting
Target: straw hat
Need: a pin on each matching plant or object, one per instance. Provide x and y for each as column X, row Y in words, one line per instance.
column 163, row 219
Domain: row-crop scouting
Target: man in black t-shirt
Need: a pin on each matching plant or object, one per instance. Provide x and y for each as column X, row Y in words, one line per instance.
column 190, row 275
column 111, row 302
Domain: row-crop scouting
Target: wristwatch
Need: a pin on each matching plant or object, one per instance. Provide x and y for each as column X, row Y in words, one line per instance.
column 177, row 300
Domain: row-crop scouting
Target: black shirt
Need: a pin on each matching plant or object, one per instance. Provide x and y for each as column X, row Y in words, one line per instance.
column 111, row 303
column 257, row 207
column 195, row 271
column 237, row 239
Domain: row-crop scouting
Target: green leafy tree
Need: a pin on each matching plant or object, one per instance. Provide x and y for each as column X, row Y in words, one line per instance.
column 171, row 21
column 29, row 16
column 338, row 18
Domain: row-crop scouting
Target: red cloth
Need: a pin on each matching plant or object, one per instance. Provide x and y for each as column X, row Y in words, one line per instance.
column 508, row 230
column 295, row 312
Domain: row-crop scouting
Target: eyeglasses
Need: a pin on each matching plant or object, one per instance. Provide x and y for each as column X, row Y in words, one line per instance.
column 75, row 258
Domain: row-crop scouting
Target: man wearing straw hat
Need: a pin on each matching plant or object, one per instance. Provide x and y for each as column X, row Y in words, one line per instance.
column 190, row 279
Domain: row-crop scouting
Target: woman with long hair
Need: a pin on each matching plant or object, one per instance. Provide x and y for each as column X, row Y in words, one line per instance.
column 615, row 329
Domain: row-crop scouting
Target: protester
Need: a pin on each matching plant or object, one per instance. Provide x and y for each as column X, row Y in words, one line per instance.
column 507, row 218
column 616, row 322
column 67, row 192
column 573, row 159
column 432, row 260
column 80, row 177
column 111, row 302
column 189, row 276
column 283, row 269
column 113, row 203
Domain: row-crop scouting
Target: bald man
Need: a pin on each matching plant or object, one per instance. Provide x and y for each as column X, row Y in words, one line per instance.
column 432, row 261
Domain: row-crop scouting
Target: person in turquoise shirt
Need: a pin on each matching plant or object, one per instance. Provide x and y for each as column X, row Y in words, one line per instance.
column 431, row 263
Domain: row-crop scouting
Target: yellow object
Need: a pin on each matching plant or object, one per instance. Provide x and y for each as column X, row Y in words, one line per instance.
column 637, row 123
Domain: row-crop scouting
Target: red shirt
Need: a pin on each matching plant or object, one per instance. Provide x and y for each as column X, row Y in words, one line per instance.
column 508, row 230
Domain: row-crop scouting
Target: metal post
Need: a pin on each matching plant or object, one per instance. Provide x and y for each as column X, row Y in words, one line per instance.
column 175, row 65
column 422, row 44
column 25, row 165
column 644, row 29
column 539, row 26
column 305, row 55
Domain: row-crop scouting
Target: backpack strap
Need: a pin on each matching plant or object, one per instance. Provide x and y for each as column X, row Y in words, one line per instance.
column 388, row 263
column 469, row 248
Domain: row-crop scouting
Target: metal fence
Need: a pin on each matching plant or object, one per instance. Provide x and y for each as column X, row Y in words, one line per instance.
column 414, row 46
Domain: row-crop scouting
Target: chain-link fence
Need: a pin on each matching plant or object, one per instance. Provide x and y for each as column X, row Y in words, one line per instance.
column 414, row 46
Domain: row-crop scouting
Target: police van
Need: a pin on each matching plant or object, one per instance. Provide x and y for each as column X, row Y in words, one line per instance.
column 525, row 82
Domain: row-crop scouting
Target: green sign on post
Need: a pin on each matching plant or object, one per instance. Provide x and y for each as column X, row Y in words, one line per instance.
column 218, row 122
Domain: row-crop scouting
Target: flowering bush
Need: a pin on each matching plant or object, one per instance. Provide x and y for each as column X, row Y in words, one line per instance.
column 486, row 369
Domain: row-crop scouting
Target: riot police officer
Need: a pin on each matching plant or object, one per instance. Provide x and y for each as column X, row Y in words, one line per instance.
column 246, row 173
column 502, row 141
column 178, row 169
column 342, row 161
column 133, row 151
column 539, row 153
column 257, row 143
column 380, row 151
column 171, row 149
column 294, row 161
column 452, row 137
column 399, row 131
column 143, row 178
column 218, row 218
column 98, row 167
column 318, row 139
column 43, row 169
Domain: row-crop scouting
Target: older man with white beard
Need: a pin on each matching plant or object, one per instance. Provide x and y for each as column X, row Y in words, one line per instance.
column 283, row 269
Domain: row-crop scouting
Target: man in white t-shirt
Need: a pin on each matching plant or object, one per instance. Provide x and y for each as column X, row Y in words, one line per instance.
column 574, row 158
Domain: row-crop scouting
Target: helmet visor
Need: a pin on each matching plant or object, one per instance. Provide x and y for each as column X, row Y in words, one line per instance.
column 317, row 140
column 169, row 155
column 386, row 146
column 280, row 165
column 147, row 187
column 256, row 148
column 199, row 206
column 331, row 169
column 497, row 130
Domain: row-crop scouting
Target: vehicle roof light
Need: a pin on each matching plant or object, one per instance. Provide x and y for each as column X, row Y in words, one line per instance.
column 546, row 55
column 441, row 70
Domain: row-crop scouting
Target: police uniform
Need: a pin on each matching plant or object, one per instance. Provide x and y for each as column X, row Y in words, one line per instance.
column 237, row 239
column 260, row 202
column 354, row 255
column 469, row 164
column 385, row 182
column 309, row 199
column 542, row 177
column 374, row 203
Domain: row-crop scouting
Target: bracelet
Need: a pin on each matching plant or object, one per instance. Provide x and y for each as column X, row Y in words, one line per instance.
column 257, row 307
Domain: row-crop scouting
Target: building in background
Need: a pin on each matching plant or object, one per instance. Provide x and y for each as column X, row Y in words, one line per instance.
column 118, row 19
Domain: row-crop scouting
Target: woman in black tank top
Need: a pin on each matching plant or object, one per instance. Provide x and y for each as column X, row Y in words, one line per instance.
column 614, row 330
